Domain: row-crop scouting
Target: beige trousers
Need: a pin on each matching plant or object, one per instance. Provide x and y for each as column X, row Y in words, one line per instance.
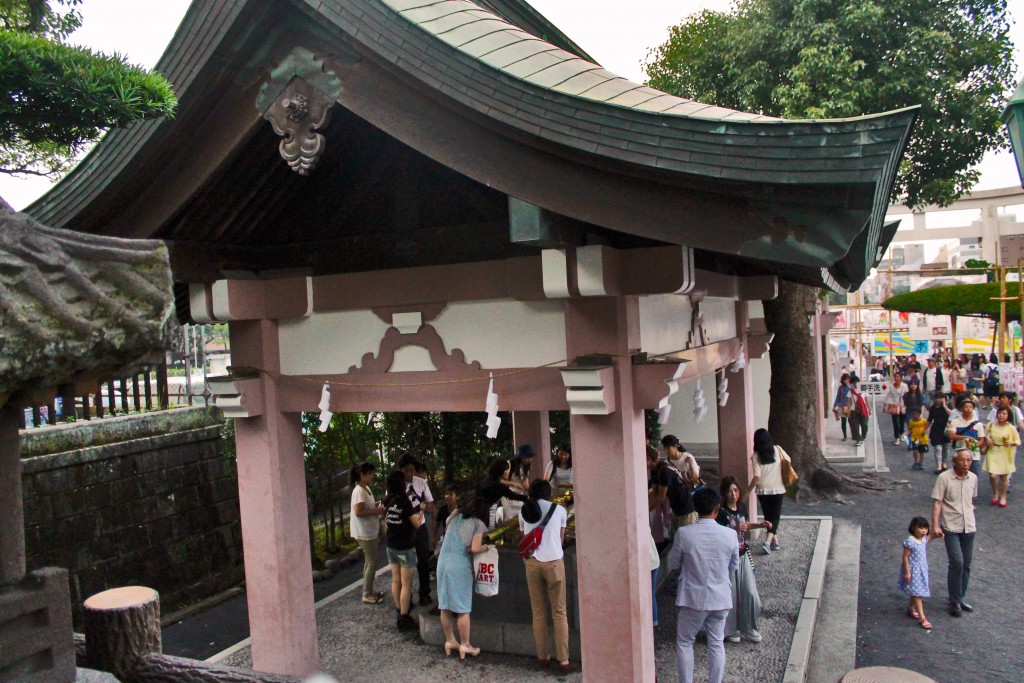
column 546, row 581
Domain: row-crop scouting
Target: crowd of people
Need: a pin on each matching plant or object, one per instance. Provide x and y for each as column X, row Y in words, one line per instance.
column 956, row 409
column 704, row 531
column 463, row 521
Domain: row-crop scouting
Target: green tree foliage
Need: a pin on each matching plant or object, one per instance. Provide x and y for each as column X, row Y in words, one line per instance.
column 55, row 99
column 840, row 58
column 976, row 300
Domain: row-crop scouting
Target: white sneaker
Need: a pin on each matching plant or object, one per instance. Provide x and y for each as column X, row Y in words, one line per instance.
column 735, row 637
column 766, row 548
column 775, row 544
column 752, row 636
column 897, row 442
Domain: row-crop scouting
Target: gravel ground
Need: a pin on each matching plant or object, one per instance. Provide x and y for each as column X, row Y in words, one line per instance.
column 349, row 632
column 983, row 647
column 780, row 583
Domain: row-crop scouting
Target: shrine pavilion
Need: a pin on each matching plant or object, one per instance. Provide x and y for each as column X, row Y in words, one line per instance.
column 406, row 198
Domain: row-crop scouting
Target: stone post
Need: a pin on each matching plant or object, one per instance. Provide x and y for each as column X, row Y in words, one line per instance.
column 12, row 531
column 610, row 474
column 272, row 501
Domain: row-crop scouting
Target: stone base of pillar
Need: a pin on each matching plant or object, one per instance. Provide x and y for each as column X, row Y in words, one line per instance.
column 35, row 629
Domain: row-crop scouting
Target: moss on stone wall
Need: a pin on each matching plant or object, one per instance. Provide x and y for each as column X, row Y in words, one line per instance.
column 98, row 432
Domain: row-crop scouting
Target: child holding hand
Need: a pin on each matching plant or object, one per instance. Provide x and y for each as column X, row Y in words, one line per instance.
column 914, row 570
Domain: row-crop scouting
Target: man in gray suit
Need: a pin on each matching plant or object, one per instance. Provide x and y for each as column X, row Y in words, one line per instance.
column 706, row 553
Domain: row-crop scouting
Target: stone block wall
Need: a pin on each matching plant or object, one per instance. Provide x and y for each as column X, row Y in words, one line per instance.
column 152, row 502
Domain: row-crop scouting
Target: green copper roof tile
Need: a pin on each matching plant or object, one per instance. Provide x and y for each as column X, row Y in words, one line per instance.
column 447, row 22
column 609, row 89
column 471, row 31
column 402, row 5
column 659, row 104
column 425, row 13
column 515, row 52
column 494, row 41
column 581, row 82
column 525, row 68
column 559, row 73
column 631, row 98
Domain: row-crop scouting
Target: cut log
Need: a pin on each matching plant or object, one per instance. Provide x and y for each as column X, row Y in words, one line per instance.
column 121, row 625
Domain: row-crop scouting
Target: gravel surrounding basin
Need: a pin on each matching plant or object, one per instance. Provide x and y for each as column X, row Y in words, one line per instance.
column 359, row 642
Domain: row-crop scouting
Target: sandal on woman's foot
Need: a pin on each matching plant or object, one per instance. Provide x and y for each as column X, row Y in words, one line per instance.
column 912, row 613
column 926, row 625
column 374, row 599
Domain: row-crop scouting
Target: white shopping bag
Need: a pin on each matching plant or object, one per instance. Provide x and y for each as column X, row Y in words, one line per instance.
column 485, row 572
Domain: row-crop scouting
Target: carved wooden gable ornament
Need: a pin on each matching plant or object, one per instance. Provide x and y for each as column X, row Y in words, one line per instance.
column 298, row 100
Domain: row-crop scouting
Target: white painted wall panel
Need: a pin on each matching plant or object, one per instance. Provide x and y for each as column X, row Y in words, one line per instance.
column 328, row 343
column 505, row 334
column 719, row 319
column 664, row 322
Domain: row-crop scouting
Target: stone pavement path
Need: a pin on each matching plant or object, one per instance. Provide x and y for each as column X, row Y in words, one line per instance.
column 983, row 647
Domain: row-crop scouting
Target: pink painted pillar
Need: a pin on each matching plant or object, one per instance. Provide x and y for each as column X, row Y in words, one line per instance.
column 736, row 418
column 534, row 428
column 610, row 475
column 272, row 497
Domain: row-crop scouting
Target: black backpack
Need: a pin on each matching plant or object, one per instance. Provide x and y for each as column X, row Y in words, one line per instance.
column 992, row 378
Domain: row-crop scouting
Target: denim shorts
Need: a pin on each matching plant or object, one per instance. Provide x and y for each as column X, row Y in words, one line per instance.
column 404, row 558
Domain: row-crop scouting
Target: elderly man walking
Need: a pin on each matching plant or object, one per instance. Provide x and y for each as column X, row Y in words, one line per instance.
column 953, row 521
column 706, row 553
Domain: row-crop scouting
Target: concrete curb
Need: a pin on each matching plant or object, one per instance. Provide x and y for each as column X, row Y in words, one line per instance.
column 803, row 636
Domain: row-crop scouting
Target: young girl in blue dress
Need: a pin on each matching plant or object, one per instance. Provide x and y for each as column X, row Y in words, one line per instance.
column 914, row 570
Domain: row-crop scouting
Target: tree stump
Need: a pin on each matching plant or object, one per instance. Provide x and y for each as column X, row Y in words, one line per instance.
column 121, row 625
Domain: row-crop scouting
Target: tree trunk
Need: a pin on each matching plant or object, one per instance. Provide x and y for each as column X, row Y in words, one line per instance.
column 792, row 420
column 121, row 625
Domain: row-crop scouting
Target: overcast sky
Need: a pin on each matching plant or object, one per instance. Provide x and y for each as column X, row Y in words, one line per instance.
column 615, row 33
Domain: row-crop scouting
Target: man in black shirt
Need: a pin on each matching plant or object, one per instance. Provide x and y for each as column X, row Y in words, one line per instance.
column 938, row 419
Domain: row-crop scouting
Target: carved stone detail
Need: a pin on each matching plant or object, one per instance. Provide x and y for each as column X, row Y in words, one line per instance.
column 427, row 338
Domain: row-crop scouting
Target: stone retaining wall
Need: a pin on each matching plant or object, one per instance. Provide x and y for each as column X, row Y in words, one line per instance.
column 151, row 501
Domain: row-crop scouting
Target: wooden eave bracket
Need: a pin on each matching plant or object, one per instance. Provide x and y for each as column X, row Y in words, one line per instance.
column 237, row 396
column 251, row 299
column 758, row 345
column 655, row 382
column 589, row 390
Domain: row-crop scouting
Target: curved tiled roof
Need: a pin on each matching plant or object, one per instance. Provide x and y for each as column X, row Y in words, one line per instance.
column 554, row 99
column 482, row 35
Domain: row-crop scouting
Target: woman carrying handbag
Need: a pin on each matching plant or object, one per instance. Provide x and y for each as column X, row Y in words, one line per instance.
column 769, row 483
column 895, row 408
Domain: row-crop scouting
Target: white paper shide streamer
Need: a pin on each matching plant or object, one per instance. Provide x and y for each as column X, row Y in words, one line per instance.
column 723, row 389
column 740, row 362
column 700, row 409
column 491, row 406
column 325, row 407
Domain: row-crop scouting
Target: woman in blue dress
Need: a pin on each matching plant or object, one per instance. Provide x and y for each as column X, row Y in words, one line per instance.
column 464, row 537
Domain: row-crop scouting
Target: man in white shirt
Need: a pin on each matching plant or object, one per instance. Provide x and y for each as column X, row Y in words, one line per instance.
column 706, row 554
column 933, row 379
column 418, row 491
column 545, row 575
